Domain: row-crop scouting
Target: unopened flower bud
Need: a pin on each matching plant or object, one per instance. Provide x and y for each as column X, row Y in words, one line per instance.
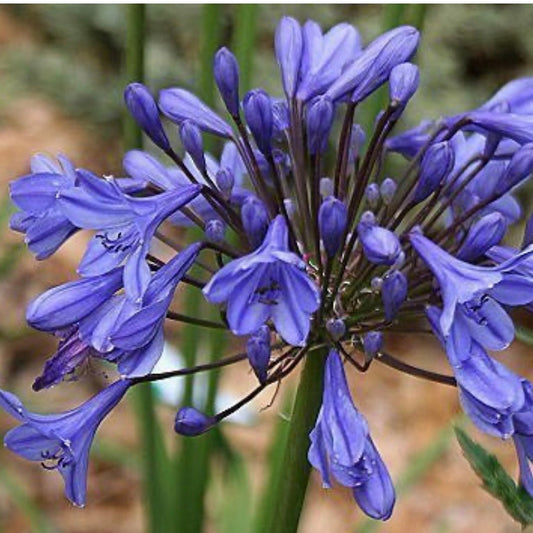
column 326, row 187
column 357, row 141
column 372, row 195
column 388, row 190
column 482, row 235
column 376, row 283
column 225, row 181
column 380, row 245
column 403, row 83
column 191, row 422
column 191, row 137
column 215, row 230
column 258, row 351
column 372, row 344
column 280, row 114
column 226, row 72
column 336, row 328
column 258, row 113
column 519, row 168
column 435, row 166
column 393, row 293
column 332, row 220
column 254, row 220
column 320, row 115
column 142, row 106
column 289, row 49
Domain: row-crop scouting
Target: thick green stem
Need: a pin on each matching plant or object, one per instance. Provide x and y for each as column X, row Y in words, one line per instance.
column 295, row 468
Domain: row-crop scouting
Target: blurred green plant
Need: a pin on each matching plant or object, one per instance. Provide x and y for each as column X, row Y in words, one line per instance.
column 496, row 481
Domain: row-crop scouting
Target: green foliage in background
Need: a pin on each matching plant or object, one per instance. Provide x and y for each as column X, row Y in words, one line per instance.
column 496, row 481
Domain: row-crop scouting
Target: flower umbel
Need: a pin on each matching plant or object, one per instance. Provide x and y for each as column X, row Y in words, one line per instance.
column 298, row 256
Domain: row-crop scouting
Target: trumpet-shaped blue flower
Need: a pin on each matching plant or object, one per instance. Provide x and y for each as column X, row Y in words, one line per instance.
column 489, row 392
column 269, row 283
column 125, row 226
column 36, row 195
column 341, row 446
column 462, row 283
column 61, row 441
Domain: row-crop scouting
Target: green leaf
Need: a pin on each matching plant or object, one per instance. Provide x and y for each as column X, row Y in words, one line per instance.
column 234, row 514
column 496, row 481
column 244, row 42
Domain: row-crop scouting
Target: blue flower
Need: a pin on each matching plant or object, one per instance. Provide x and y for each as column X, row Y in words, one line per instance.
column 325, row 56
column 463, row 283
column 61, row 441
column 36, row 195
column 67, row 304
column 269, row 283
column 179, row 105
column 341, row 446
column 136, row 330
column 125, row 226
column 143, row 167
column 489, row 392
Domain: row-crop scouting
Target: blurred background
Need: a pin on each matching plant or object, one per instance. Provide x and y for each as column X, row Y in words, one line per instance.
column 61, row 86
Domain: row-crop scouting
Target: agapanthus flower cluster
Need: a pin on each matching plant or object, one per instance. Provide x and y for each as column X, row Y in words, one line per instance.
column 310, row 248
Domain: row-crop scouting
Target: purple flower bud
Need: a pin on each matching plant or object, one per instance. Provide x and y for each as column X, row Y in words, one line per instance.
column 372, row 67
column 191, row 137
column 376, row 283
column 289, row 46
column 179, row 105
column 403, row 83
column 225, row 181
column 393, row 293
column 226, row 72
column 517, row 127
column 485, row 233
column 388, row 190
column 336, row 328
column 519, row 168
column 254, row 217
column 528, row 233
column 258, row 352
column 215, row 230
column 372, row 195
column 62, row 306
column 191, row 422
column 372, row 344
column 280, row 114
column 258, row 113
column 357, row 141
column 320, row 115
column 381, row 246
column 332, row 220
column 142, row 106
column 435, row 166
column 326, row 187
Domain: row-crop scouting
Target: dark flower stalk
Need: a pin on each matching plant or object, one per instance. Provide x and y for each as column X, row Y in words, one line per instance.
column 330, row 258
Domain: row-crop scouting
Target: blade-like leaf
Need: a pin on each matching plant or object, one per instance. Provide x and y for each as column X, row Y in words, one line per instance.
column 496, row 481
